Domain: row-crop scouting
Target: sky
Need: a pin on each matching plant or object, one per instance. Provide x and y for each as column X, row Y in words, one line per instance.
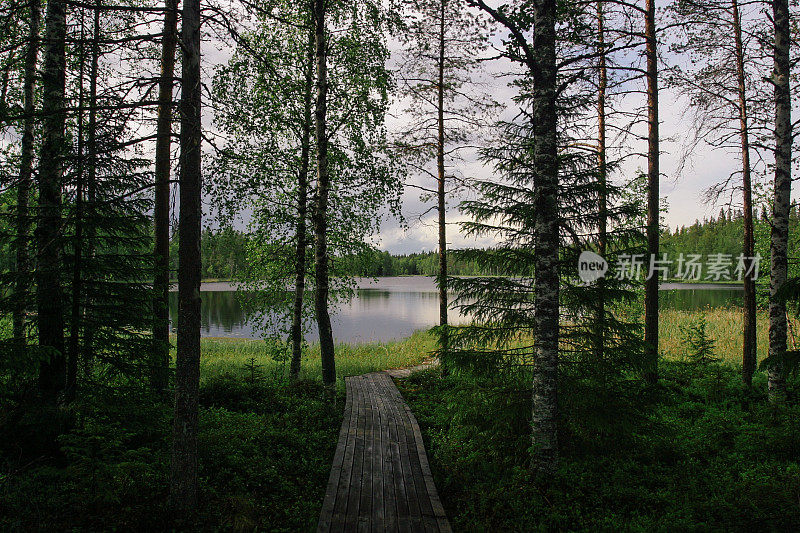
column 683, row 184
column 685, row 179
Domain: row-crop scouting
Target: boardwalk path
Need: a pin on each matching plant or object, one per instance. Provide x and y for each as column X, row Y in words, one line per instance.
column 380, row 479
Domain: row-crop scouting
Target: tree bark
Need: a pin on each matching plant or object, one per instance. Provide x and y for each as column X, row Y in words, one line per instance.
column 49, row 295
column 302, row 213
column 443, row 336
column 653, row 214
column 749, row 354
column 779, row 238
column 546, row 260
column 183, row 482
column 163, row 163
column 602, row 176
column 91, row 175
column 321, row 204
column 23, row 266
column 73, row 345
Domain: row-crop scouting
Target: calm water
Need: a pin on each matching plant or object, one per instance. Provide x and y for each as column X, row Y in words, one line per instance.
column 394, row 308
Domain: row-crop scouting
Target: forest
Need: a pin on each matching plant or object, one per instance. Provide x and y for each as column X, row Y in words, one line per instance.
column 147, row 146
column 224, row 252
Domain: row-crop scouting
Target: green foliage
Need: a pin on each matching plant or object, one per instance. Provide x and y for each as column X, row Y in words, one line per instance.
column 789, row 362
column 264, row 457
column 701, row 347
column 680, row 458
column 723, row 235
column 261, row 97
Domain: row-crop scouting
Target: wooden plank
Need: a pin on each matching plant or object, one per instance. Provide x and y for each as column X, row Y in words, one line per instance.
column 377, row 517
column 400, row 493
column 332, row 515
column 380, row 478
column 355, row 486
column 433, row 496
column 427, row 521
column 328, row 504
column 412, row 491
column 387, row 466
column 368, row 465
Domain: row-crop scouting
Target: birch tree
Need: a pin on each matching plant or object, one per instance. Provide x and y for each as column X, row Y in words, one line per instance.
column 49, row 294
column 782, row 191
column 537, row 54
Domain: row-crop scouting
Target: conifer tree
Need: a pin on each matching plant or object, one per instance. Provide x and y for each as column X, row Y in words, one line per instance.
column 183, row 479
column 723, row 83
column 448, row 109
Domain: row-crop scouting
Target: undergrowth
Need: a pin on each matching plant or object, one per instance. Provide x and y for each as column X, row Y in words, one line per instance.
column 698, row 453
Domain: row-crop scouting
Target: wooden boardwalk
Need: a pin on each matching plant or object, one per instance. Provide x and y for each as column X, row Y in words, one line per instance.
column 380, row 479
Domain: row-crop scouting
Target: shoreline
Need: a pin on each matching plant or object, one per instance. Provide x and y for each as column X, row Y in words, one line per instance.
column 219, row 285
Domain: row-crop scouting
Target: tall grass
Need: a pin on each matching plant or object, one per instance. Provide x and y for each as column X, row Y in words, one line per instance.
column 240, row 356
column 724, row 325
column 237, row 356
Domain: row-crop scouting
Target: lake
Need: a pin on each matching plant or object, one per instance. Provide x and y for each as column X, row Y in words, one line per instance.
column 395, row 307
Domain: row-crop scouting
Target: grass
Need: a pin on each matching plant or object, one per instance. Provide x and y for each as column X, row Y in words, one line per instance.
column 224, row 355
column 265, row 446
column 724, row 325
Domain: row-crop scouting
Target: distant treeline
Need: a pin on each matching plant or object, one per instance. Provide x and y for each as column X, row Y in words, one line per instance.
column 224, row 251
column 378, row 263
column 224, row 254
column 723, row 235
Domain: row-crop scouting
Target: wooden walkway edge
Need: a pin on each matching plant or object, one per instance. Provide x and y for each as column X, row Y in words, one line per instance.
column 380, row 478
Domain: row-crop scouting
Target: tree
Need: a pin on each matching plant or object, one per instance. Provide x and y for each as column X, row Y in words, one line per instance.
column 602, row 165
column 653, row 198
column 49, row 294
column 722, row 85
column 163, row 164
column 73, row 343
column 447, row 112
column 161, row 213
column 183, row 479
column 779, row 237
column 320, row 210
column 269, row 170
column 538, row 55
column 23, row 266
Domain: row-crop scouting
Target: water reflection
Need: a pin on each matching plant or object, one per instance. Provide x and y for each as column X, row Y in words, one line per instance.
column 393, row 308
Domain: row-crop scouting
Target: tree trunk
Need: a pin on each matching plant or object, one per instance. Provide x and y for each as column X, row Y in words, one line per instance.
column 546, row 260
column 49, row 295
column 321, row 204
column 782, row 199
column 183, row 482
column 749, row 353
column 4, row 89
column 160, row 362
column 653, row 176
column 602, row 176
column 91, row 175
column 302, row 213
column 23, row 266
column 443, row 336
column 73, row 345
